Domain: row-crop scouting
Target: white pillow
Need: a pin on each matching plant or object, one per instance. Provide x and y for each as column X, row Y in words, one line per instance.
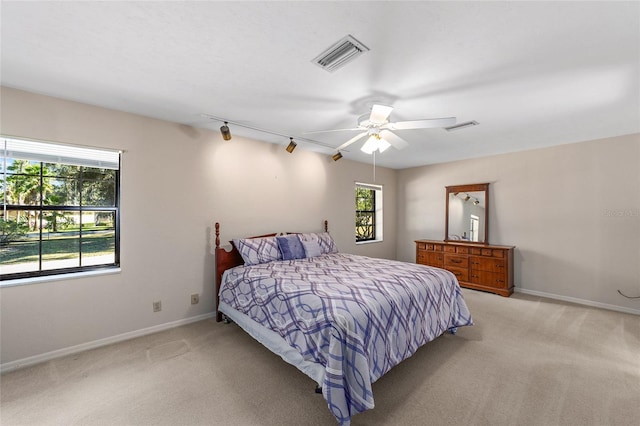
column 322, row 239
column 311, row 248
column 258, row 250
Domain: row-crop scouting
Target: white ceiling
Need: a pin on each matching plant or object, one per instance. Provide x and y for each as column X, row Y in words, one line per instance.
column 533, row 74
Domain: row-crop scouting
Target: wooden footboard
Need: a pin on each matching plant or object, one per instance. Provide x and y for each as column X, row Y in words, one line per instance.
column 229, row 259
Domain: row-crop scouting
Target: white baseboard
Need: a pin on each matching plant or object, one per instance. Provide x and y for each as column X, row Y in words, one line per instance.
column 579, row 301
column 36, row 359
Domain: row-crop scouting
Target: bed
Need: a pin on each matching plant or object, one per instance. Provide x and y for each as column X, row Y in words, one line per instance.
column 343, row 320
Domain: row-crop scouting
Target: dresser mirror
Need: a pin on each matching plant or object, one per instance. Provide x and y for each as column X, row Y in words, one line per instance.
column 467, row 214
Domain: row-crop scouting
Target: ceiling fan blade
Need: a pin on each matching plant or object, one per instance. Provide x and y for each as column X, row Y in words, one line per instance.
column 428, row 123
column 396, row 141
column 352, row 140
column 379, row 113
column 332, row 130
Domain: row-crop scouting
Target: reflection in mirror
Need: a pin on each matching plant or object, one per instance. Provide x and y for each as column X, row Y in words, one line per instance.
column 467, row 213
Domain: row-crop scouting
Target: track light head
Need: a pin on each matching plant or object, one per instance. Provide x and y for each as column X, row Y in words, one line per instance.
column 292, row 145
column 337, row 156
column 467, row 198
column 226, row 133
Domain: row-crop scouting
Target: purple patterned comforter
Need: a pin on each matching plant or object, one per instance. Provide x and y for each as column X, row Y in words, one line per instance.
column 357, row 316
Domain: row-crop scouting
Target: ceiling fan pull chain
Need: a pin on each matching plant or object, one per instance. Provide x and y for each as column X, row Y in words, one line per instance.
column 374, row 167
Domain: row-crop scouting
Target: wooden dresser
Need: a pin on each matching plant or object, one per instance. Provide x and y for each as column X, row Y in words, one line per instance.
column 478, row 266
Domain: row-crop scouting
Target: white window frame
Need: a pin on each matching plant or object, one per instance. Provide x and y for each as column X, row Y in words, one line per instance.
column 51, row 152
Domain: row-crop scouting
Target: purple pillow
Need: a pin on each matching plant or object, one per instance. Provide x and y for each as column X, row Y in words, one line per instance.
column 291, row 247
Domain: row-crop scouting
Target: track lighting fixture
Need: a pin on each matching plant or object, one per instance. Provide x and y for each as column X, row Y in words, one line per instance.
column 226, row 133
column 466, row 197
column 292, row 145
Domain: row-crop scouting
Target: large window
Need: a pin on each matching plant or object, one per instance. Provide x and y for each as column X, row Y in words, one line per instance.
column 368, row 212
column 60, row 209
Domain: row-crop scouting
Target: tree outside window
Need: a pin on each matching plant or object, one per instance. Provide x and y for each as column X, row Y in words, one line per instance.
column 365, row 214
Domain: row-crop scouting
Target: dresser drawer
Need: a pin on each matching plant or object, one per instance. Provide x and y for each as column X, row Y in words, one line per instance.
column 490, row 264
column 435, row 259
column 490, row 279
column 462, row 274
column 433, row 247
column 487, row 252
column 456, row 261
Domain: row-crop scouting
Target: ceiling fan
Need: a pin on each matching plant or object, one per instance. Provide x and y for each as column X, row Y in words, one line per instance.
column 377, row 126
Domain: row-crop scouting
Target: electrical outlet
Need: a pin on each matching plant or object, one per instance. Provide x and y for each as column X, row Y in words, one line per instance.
column 195, row 299
column 157, row 306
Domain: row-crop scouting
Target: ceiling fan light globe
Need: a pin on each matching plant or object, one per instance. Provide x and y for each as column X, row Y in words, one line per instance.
column 375, row 143
column 370, row 145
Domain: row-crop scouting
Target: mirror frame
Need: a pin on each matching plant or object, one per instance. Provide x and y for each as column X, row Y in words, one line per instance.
column 468, row 188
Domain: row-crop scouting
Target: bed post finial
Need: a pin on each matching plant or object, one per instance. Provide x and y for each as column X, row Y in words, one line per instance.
column 217, row 235
column 326, row 226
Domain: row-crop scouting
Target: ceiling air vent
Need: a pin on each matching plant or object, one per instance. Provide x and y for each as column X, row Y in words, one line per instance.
column 339, row 54
column 461, row 126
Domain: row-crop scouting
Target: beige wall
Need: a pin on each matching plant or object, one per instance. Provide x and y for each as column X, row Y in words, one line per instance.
column 177, row 181
column 572, row 211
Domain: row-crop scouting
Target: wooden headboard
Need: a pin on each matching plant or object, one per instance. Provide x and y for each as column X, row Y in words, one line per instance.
column 229, row 259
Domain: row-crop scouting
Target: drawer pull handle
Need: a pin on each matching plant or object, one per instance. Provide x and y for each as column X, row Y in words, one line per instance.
column 456, row 261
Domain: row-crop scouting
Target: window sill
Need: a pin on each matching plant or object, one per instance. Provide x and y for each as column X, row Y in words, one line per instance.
column 74, row 275
column 368, row 242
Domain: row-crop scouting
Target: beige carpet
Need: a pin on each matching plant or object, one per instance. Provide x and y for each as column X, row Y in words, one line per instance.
column 527, row 361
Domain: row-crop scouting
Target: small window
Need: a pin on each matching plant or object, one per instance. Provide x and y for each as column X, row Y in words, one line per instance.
column 60, row 209
column 368, row 224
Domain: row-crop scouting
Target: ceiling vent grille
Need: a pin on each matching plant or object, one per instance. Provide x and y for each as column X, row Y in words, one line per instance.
column 341, row 53
column 461, row 126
